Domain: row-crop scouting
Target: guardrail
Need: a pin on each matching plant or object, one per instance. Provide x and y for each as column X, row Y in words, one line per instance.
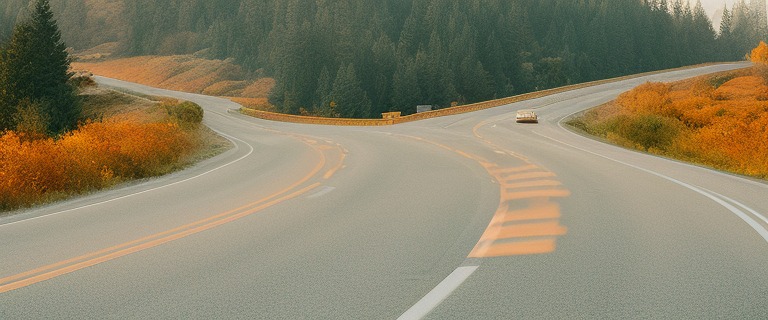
column 316, row 120
column 447, row 111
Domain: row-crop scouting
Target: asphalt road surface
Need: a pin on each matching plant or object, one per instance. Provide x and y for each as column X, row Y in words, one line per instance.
column 470, row 216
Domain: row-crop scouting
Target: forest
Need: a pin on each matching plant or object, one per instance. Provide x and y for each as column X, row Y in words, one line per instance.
column 359, row 58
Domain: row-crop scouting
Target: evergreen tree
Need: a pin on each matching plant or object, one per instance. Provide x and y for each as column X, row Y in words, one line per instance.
column 384, row 65
column 406, row 94
column 36, row 67
column 348, row 98
column 323, row 94
column 726, row 24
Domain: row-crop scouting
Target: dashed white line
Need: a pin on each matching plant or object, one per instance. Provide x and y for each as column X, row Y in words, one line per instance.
column 323, row 191
column 438, row 294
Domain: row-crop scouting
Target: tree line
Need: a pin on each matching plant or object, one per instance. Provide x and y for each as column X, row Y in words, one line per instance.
column 358, row 58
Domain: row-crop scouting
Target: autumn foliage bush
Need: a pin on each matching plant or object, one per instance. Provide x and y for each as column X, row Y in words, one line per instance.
column 719, row 121
column 94, row 156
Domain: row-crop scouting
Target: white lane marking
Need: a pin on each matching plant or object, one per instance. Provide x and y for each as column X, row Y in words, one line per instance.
column 762, row 231
column 438, row 294
column 323, row 191
column 230, row 138
column 731, row 176
column 741, row 214
column 743, row 206
column 748, row 209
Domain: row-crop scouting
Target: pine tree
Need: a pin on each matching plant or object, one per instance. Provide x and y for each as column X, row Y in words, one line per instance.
column 350, row 100
column 323, row 94
column 406, row 94
column 37, row 68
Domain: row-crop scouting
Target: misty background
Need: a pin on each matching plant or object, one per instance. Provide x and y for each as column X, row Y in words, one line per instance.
column 359, row 58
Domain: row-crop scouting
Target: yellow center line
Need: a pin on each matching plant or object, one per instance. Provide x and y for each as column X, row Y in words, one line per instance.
column 104, row 258
column 12, row 282
column 338, row 166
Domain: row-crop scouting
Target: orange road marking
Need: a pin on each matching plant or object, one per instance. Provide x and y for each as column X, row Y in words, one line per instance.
column 532, row 184
column 529, row 175
column 549, row 210
column 505, row 171
column 516, row 248
column 494, row 240
column 492, row 243
column 554, row 193
column 550, row 228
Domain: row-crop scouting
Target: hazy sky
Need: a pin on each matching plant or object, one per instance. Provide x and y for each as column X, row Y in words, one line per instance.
column 712, row 5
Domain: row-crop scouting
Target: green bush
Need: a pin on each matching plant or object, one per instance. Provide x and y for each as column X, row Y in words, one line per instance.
column 31, row 121
column 186, row 113
column 650, row 131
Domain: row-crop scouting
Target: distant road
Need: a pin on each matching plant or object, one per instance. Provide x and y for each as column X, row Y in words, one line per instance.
column 470, row 216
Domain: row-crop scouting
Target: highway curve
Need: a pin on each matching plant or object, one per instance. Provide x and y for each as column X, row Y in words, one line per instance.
column 470, row 216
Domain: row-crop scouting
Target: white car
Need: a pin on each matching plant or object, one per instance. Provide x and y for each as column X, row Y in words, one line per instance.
column 527, row 116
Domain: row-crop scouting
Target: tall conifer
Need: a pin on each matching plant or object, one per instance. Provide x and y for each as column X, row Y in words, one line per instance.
column 350, row 99
column 37, row 68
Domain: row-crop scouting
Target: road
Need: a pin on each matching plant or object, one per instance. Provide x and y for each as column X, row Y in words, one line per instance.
column 470, row 216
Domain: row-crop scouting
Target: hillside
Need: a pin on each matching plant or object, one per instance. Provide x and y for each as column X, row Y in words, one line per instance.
column 182, row 73
column 720, row 121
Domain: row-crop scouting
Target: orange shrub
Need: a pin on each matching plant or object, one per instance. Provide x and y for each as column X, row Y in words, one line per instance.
column 29, row 170
column 760, row 53
column 96, row 155
column 719, row 121
column 648, row 98
column 739, row 88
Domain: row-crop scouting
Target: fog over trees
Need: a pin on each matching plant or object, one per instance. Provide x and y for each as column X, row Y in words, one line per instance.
column 358, row 58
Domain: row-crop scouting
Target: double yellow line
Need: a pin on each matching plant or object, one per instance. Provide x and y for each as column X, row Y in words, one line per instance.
column 70, row 265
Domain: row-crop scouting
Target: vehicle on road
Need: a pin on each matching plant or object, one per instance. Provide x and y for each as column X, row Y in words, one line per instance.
column 526, row 116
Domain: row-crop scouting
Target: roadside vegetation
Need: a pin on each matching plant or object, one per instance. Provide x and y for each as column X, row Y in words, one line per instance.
column 152, row 139
column 61, row 135
column 122, row 137
column 719, row 120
